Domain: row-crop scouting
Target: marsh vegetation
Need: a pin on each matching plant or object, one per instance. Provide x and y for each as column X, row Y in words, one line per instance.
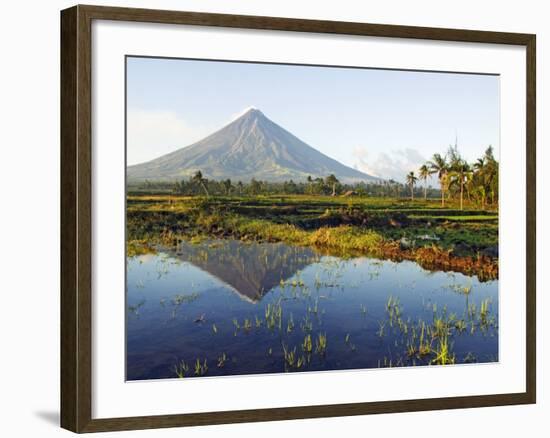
column 228, row 278
column 223, row 307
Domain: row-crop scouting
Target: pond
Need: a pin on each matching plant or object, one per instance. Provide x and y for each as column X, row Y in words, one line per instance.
column 227, row 307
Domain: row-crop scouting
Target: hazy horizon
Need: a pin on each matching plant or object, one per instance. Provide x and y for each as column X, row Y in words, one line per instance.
column 382, row 122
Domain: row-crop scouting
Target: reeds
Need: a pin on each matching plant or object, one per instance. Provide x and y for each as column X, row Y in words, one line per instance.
column 181, row 369
column 321, row 344
column 221, row 360
column 307, row 344
column 201, row 368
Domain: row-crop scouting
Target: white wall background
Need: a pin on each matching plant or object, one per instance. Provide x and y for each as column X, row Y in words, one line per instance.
column 29, row 213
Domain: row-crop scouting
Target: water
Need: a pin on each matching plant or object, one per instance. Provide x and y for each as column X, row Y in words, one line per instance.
column 203, row 301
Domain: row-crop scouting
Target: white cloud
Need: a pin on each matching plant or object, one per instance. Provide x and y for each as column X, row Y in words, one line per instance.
column 393, row 164
column 155, row 133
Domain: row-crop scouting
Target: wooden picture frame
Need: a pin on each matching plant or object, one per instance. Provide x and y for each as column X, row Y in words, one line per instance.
column 76, row 217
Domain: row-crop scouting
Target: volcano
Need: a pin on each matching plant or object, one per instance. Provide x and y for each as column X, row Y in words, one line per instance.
column 252, row 146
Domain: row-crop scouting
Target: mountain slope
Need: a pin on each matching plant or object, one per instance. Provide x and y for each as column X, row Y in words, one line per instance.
column 252, row 146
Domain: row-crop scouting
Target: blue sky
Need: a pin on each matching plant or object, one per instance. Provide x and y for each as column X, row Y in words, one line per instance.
column 380, row 121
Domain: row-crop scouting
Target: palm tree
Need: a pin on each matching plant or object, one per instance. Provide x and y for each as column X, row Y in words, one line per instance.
column 255, row 186
column 479, row 179
column 462, row 172
column 486, row 177
column 438, row 165
column 394, row 185
column 227, row 185
column 310, row 184
column 411, row 181
column 459, row 170
column 424, row 173
column 491, row 173
column 331, row 180
column 198, row 179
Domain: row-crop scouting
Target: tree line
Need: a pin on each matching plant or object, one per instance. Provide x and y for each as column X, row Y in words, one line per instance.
column 458, row 179
column 197, row 184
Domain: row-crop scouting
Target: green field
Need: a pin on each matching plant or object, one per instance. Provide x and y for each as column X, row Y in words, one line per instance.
column 435, row 237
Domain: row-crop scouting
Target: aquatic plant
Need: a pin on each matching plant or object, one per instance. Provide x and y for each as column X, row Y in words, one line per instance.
column 290, row 324
column 443, row 355
column 484, row 311
column 315, row 308
column 181, row 369
column 273, row 315
column 135, row 308
column 221, row 360
column 463, row 290
column 307, row 344
column 394, row 310
column 289, row 356
column 321, row 344
column 179, row 299
column 381, row 327
column 307, row 324
column 201, row 368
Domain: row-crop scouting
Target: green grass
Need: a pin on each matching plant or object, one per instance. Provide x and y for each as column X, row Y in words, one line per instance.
column 379, row 227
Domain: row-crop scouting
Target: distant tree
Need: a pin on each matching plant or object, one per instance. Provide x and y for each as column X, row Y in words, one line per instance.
column 198, row 179
column 255, row 186
column 394, row 185
column 309, row 184
column 290, row 187
column 423, row 174
column 491, row 173
column 331, row 181
column 227, row 186
column 438, row 165
column 459, row 172
column 411, row 181
column 319, row 185
column 240, row 187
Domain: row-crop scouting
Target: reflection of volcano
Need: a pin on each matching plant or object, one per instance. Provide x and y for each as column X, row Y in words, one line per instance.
column 252, row 269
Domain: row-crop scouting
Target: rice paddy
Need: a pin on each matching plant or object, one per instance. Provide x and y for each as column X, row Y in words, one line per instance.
column 226, row 307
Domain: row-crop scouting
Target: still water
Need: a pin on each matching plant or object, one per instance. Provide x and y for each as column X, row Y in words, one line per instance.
column 249, row 308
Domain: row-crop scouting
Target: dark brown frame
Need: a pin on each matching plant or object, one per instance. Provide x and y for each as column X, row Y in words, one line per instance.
column 76, row 236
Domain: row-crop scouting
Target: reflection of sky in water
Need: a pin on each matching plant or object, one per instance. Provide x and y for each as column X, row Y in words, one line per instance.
column 175, row 299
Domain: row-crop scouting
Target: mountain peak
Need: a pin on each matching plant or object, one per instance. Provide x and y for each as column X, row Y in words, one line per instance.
column 252, row 112
column 251, row 146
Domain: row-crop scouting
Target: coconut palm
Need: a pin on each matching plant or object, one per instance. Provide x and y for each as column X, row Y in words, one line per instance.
column 459, row 171
column 486, row 177
column 309, row 184
column 438, row 165
column 227, row 186
column 423, row 174
column 395, row 186
column 411, row 181
column 198, row 179
column 491, row 173
column 331, row 180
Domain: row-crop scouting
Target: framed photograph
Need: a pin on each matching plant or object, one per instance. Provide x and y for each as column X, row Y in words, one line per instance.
column 270, row 218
